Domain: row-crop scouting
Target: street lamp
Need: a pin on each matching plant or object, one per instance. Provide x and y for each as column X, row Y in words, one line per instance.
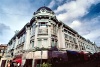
column 41, row 57
column 33, row 50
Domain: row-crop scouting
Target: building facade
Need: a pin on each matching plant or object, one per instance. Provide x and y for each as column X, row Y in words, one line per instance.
column 44, row 31
column 3, row 48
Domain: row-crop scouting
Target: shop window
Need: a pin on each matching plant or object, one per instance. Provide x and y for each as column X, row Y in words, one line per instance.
column 3, row 63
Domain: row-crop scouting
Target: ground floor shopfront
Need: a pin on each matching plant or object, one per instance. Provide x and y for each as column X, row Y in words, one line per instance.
column 4, row 61
column 35, row 59
column 53, row 58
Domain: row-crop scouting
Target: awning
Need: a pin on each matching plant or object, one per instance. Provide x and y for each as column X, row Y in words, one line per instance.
column 18, row 61
column 72, row 52
column 57, row 54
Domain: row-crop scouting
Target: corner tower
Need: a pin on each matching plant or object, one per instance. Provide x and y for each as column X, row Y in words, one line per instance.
column 46, row 28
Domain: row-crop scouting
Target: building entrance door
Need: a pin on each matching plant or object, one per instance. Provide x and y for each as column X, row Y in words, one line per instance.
column 28, row 63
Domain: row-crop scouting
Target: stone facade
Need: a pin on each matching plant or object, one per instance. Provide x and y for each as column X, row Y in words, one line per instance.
column 45, row 31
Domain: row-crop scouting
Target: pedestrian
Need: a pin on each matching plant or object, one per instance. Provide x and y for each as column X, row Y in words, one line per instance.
column 18, row 65
column 15, row 64
column 8, row 64
column 11, row 64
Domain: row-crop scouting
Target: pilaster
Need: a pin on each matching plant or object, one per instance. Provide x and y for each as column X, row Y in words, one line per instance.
column 36, row 34
column 49, row 34
column 27, row 40
column 16, row 43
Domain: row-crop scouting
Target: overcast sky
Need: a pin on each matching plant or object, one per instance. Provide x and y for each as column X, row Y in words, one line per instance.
column 81, row 15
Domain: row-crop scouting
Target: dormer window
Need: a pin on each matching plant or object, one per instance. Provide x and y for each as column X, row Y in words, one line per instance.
column 43, row 9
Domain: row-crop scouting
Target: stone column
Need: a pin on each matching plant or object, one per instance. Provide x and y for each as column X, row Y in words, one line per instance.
column 57, row 31
column 61, row 38
column 27, row 40
column 36, row 35
column 16, row 43
column 49, row 34
column 77, row 42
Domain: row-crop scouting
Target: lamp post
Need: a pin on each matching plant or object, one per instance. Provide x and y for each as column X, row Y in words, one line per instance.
column 33, row 50
column 41, row 57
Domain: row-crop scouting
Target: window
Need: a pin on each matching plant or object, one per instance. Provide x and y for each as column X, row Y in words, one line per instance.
column 53, row 29
column 45, row 43
column 43, row 31
column 19, row 41
column 39, row 43
column 23, row 37
column 13, row 44
column 33, row 29
column 76, row 46
column 70, row 38
column 74, row 40
column 42, row 43
column 53, row 44
column 43, row 28
column 65, row 31
column 66, row 44
column 32, row 43
column 72, row 46
column 66, row 36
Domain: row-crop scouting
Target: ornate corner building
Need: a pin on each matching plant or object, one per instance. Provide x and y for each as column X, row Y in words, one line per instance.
column 44, row 33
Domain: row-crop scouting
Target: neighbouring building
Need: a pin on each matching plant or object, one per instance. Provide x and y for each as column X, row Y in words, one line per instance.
column 43, row 33
column 3, row 48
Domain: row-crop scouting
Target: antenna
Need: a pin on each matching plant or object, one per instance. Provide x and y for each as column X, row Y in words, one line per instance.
column 44, row 4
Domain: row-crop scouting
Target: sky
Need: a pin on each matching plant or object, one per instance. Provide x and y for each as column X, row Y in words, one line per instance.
column 81, row 15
